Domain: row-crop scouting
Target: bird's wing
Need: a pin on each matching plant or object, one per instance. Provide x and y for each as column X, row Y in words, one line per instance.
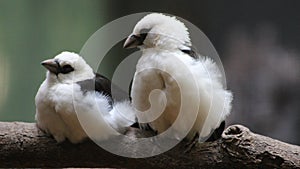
column 120, row 113
column 79, row 107
column 191, row 53
column 143, row 84
column 102, row 84
column 99, row 83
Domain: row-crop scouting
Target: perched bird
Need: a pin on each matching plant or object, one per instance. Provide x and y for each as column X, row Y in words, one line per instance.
column 169, row 69
column 75, row 103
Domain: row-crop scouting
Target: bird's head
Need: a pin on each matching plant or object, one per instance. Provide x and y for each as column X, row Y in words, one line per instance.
column 67, row 67
column 158, row 31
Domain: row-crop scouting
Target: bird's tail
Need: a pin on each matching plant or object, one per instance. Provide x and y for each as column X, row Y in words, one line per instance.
column 122, row 115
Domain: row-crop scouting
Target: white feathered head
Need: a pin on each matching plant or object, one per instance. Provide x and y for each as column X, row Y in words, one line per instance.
column 67, row 67
column 157, row 30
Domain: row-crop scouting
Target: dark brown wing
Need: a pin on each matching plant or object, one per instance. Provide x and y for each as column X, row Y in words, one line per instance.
column 190, row 52
column 102, row 84
column 99, row 84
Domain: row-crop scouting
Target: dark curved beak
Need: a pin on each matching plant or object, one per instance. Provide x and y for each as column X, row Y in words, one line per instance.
column 52, row 65
column 133, row 41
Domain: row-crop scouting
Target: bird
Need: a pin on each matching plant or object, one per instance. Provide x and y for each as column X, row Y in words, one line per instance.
column 74, row 103
column 168, row 62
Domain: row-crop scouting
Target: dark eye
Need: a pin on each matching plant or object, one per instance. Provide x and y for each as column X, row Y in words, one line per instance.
column 143, row 34
column 67, row 69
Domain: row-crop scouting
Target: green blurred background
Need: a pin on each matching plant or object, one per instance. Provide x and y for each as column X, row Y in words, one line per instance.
column 34, row 30
column 258, row 43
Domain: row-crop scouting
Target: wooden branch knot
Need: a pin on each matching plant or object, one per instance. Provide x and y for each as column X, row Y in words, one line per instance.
column 234, row 133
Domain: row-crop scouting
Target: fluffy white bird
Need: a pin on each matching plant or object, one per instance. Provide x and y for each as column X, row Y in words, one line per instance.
column 169, row 73
column 75, row 103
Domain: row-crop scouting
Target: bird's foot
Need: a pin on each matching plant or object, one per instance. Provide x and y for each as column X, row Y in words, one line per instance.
column 192, row 143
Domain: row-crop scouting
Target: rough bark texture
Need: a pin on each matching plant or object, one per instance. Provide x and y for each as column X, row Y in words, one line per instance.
column 23, row 145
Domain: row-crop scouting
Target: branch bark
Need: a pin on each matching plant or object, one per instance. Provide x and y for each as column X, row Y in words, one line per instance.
column 23, row 145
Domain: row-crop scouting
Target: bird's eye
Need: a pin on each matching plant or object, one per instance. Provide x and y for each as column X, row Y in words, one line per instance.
column 143, row 34
column 67, row 66
column 67, row 69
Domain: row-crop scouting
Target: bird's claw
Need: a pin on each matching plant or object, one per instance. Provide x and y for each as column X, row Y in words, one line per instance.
column 191, row 144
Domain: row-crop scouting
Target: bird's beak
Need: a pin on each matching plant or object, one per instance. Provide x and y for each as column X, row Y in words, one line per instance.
column 133, row 41
column 51, row 65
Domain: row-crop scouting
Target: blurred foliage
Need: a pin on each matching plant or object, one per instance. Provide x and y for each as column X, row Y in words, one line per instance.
column 34, row 30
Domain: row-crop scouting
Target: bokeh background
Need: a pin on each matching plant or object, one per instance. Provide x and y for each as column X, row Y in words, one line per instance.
column 258, row 42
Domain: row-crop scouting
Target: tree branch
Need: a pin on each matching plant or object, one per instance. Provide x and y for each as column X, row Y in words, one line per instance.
column 23, row 145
